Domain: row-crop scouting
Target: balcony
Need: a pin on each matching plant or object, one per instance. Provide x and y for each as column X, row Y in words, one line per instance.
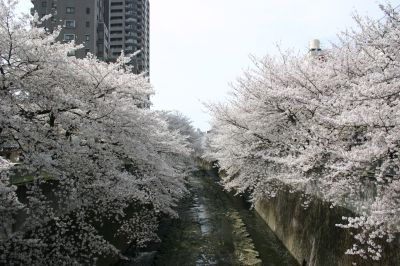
column 130, row 20
column 130, row 41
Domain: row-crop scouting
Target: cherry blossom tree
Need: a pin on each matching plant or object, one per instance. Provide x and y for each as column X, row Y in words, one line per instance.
column 91, row 158
column 179, row 122
column 325, row 125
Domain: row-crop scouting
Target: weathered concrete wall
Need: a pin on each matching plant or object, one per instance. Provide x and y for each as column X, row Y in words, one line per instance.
column 311, row 235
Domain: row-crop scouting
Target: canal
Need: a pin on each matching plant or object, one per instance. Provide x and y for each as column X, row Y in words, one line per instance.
column 215, row 228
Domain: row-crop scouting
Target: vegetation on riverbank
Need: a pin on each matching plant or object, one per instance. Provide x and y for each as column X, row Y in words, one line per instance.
column 81, row 122
column 325, row 124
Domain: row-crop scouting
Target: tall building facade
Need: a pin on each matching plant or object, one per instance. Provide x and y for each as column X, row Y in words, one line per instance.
column 130, row 32
column 104, row 27
column 85, row 21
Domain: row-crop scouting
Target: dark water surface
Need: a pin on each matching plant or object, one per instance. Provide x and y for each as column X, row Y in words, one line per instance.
column 216, row 228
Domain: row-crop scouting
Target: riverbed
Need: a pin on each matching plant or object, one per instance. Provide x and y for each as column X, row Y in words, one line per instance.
column 216, row 228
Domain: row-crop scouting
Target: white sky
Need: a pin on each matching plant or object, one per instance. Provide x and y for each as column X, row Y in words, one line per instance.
column 198, row 47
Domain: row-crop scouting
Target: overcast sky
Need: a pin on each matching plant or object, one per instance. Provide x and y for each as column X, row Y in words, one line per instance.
column 198, row 47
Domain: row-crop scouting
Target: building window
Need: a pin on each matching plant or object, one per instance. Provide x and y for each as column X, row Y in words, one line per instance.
column 87, row 38
column 87, row 24
column 71, row 53
column 70, row 24
column 44, row 4
column 69, row 37
column 70, row 10
column 53, row 5
column 88, row 10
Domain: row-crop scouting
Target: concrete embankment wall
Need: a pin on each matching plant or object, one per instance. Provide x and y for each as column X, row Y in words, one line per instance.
column 311, row 235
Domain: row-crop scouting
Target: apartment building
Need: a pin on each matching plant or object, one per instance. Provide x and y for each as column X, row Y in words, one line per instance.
column 85, row 21
column 129, row 32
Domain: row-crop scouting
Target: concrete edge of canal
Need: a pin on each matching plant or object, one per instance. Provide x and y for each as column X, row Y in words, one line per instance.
column 311, row 235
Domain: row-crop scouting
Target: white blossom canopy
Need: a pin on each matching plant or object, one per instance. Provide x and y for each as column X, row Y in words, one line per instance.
column 326, row 125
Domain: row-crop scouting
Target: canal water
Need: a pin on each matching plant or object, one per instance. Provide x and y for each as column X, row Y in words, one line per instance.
column 216, row 228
